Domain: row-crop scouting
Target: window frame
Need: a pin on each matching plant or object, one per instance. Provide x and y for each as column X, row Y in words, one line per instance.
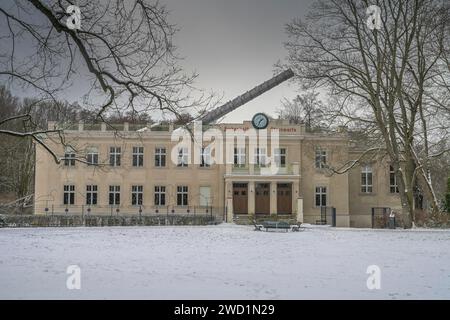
column 278, row 155
column 183, row 157
column 70, row 193
column 91, row 194
column 366, row 175
column 91, row 155
column 160, row 157
column 137, row 195
column 116, row 155
column 159, row 198
column 69, row 157
column 137, row 157
column 322, row 193
column 393, row 188
column 205, row 153
column 260, row 158
column 239, row 157
column 320, row 158
column 116, row 195
column 183, row 195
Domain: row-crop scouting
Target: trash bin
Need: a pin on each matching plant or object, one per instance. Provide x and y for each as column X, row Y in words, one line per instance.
column 392, row 220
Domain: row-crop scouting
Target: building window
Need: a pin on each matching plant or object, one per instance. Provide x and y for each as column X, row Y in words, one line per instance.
column 114, row 156
column 205, row 157
column 280, row 157
column 91, row 195
column 321, row 158
column 69, row 157
column 366, row 179
column 160, row 157
column 69, row 194
column 182, row 195
column 321, row 196
column 138, row 156
column 239, row 157
column 205, row 196
column 92, row 156
column 182, row 157
column 114, row 195
column 260, row 157
column 137, row 195
column 393, row 186
column 160, row 196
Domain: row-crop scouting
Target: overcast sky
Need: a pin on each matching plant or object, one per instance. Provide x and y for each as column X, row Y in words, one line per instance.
column 234, row 44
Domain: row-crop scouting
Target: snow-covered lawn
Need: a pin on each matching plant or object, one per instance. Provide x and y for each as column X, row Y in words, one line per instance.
column 223, row 262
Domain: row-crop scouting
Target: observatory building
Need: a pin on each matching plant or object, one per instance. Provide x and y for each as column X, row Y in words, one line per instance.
column 131, row 169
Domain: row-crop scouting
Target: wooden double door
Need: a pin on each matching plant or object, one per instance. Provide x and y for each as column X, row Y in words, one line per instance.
column 240, row 198
column 262, row 198
column 284, row 198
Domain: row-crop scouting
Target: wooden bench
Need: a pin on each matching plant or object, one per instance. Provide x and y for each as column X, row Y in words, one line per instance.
column 276, row 225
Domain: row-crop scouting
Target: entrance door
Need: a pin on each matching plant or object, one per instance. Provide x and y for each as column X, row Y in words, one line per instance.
column 240, row 198
column 284, row 198
column 262, row 198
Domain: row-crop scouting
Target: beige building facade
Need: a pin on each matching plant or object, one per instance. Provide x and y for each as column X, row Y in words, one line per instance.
column 145, row 170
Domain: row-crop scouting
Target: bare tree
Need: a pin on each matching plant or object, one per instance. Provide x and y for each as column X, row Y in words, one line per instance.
column 123, row 52
column 305, row 108
column 393, row 78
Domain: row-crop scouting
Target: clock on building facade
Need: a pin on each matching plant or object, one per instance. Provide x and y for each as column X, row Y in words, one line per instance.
column 260, row 121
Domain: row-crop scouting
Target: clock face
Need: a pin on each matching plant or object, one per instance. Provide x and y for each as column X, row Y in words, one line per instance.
column 260, row 121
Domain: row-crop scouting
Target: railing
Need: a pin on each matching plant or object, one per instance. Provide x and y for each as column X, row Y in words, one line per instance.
column 380, row 217
column 215, row 213
column 327, row 216
column 289, row 169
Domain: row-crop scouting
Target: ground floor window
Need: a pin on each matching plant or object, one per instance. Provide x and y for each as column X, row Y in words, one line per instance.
column 137, row 195
column 160, row 196
column 182, row 195
column 321, row 196
column 114, row 195
column 366, row 179
column 69, row 194
column 205, row 196
column 393, row 186
column 91, row 195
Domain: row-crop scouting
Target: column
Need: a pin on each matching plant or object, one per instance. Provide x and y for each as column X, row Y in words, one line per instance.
column 229, row 204
column 228, row 196
column 300, row 210
column 295, row 195
column 273, row 197
column 251, row 197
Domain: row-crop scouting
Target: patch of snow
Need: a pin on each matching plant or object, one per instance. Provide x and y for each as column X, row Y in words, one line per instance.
column 223, row 262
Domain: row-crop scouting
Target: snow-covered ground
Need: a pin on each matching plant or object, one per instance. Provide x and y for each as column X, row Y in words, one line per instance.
column 223, row 262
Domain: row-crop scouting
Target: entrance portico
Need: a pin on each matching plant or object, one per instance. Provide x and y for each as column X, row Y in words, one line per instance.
column 250, row 194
